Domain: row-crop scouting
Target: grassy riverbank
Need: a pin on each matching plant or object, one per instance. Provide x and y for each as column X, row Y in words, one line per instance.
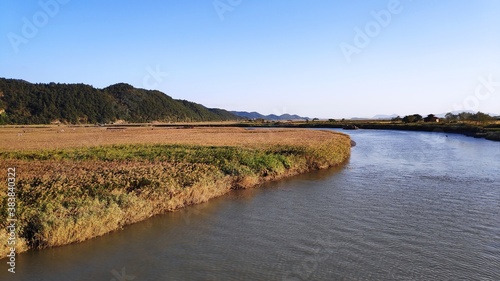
column 489, row 130
column 71, row 190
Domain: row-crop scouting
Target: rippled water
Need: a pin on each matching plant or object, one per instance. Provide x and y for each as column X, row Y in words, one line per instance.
column 407, row 206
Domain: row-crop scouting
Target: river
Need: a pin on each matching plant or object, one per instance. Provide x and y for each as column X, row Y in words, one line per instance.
column 407, row 206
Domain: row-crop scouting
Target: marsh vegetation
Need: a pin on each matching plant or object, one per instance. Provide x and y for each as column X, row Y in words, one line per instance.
column 72, row 190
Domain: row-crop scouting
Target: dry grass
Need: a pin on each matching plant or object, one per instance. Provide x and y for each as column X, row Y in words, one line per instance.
column 68, row 137
column 61, row 202
column 79, row 184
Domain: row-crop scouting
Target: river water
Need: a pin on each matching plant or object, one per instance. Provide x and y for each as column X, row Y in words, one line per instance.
column 407, row 206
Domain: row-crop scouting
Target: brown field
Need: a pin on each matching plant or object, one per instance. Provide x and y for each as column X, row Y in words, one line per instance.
column 68, row 137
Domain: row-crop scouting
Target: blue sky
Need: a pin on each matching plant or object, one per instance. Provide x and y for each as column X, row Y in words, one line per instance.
column 321, row 58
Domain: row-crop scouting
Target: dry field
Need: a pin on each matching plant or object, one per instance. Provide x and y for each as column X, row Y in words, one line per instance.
column 70, row 137
column 73, row 184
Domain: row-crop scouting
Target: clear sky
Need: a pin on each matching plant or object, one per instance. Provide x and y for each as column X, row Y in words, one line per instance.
column 321, row 58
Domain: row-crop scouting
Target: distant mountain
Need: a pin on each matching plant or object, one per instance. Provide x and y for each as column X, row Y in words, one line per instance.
column 22, row 102
column 385, row 117
column 441, row 115
column 271, row 117
column 379, row 117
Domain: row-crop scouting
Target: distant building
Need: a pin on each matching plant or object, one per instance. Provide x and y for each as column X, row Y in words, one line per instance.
column 431, row 118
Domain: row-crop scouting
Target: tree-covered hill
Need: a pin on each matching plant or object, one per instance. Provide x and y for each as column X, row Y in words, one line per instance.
column 22, row 102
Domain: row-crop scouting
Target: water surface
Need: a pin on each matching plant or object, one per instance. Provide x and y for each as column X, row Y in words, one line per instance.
column 407, row 206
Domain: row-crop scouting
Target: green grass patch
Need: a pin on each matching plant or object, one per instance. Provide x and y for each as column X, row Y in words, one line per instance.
column 70, row 195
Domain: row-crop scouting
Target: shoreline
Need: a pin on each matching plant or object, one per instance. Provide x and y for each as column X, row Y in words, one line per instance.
column 489, row 132
column 70, row 195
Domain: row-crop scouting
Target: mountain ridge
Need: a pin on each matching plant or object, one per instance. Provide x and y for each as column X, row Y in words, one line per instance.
column 22, row 102
column 271, row 117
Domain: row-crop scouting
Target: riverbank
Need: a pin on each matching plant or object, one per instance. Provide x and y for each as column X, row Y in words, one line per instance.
column 489, row 131
column 73, row 185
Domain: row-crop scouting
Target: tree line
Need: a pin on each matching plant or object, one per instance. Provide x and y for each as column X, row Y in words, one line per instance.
column 479, row 117
column 22, row 102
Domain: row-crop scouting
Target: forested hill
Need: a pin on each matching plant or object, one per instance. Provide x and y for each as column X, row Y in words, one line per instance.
column 22, row 102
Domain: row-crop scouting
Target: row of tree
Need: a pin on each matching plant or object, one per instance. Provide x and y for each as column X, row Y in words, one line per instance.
column 26, row 103
column 468, row 116
column 449, row 117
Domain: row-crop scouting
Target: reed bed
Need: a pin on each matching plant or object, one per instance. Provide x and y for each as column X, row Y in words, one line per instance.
column 68, row 192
